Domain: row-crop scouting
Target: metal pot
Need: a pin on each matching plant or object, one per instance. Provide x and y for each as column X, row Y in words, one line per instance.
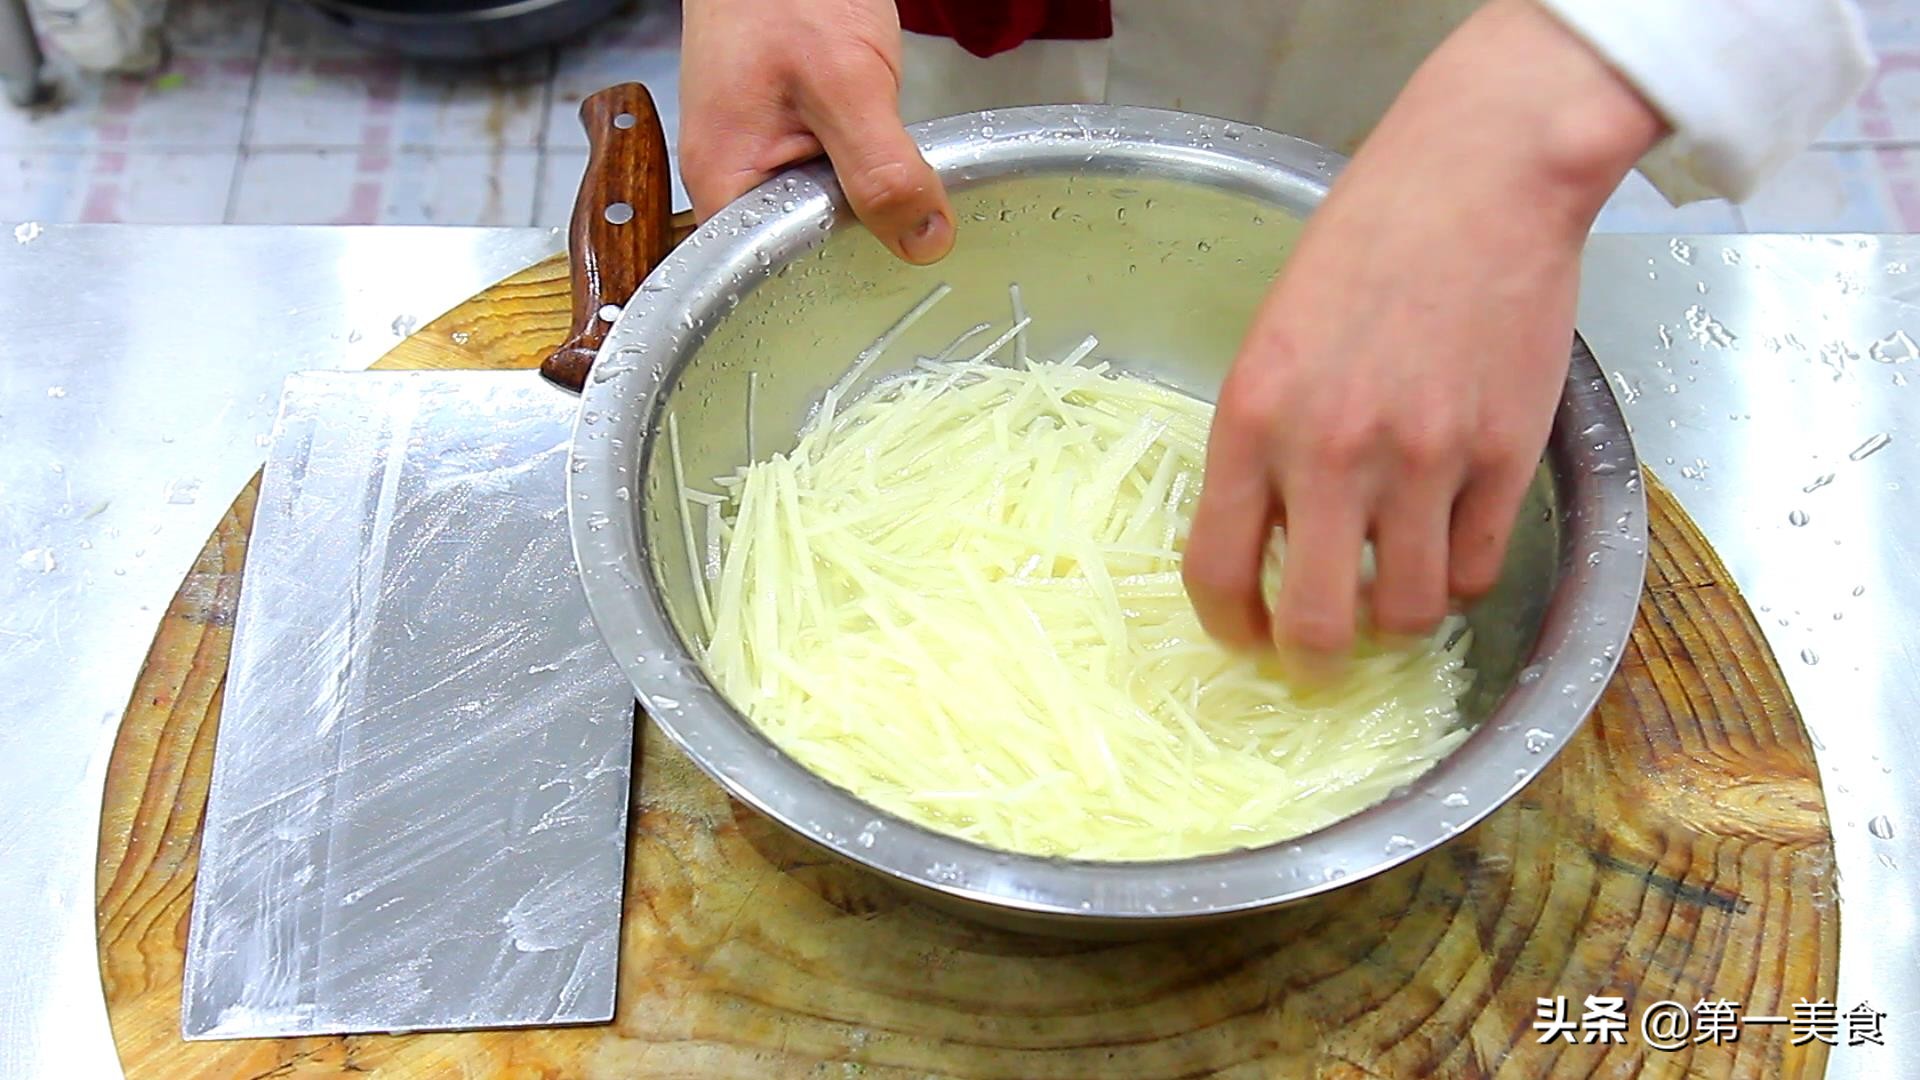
column 461, row 30
column 1156, row 230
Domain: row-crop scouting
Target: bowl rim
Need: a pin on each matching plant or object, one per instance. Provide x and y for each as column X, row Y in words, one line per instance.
column 1600, row 567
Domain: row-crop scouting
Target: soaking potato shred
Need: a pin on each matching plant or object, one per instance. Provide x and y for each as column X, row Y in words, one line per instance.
column 959, row 599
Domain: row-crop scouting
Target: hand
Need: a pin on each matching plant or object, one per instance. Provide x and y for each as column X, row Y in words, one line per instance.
column 767, row 83
column 1399, row 382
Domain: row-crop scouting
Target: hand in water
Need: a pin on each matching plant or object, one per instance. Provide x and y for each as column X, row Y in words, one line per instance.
column 1399, row 382
column 767, row 83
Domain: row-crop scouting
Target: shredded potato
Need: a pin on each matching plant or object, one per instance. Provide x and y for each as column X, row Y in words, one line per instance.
column 959, row 598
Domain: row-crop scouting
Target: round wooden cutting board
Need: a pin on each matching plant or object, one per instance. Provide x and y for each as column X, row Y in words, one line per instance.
column 1678, row 849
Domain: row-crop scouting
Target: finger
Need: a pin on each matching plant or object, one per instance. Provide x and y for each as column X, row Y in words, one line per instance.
column 1221, row 566
column 716, row 175
column 892, row 189
column 1483, row 518
column 1232, row 521
column 1313, row 619
column 1410, row 544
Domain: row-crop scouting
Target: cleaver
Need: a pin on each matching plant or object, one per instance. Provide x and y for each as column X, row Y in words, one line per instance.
column 417, row 817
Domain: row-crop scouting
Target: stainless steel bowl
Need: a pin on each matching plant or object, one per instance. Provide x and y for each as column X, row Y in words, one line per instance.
column 1159, row 232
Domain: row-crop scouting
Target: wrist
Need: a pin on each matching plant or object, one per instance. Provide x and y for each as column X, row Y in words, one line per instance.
column 1592, row 125
column 1541, row 116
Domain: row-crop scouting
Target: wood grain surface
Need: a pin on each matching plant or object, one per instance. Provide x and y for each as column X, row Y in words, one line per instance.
column 1678, row 849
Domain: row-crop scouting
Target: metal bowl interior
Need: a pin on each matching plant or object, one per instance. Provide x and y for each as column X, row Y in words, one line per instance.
column 1159, row 232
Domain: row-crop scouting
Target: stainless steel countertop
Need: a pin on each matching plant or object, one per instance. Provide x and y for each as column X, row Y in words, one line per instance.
column 140, row 368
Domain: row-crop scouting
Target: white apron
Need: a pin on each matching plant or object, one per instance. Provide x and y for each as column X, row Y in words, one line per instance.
column 1324, row 70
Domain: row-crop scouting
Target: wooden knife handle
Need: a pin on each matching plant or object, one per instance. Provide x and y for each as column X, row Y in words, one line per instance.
column 622, row 220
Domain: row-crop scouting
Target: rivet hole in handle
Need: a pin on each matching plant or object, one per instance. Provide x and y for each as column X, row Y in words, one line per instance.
column 622, row 221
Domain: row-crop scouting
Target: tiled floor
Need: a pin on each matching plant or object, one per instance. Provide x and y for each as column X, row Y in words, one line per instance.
column 265, row 114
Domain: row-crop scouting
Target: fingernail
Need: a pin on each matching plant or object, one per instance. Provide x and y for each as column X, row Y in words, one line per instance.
column 929, row 241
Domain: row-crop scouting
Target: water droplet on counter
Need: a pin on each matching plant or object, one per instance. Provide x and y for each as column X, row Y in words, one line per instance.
column 1681, row 251
column 1629, row 392
column 1797, row 518
column 1538, row 740
column 1335, row 873
column 1859, row 590
column 1818, row 482
column 40, row 559
column 1397, row 843
column 1701, row 288
column 1204, row 246
column 1869, row 448
column 1666, row 339
column 1895, row 348
column 183, row 492
column 1835, row 355
column 1809, row 657
column 1707, row 330
column 1457, row 798
column 1881, row 826
column 56, row 391
column 461, row 337
column 1730, row 257
column 402, row 325
column 27, row 232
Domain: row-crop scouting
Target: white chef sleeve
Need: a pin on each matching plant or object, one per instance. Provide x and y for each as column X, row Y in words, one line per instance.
column 1744, row 84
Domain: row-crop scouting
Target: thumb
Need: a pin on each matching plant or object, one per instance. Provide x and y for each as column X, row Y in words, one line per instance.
column 895, row 193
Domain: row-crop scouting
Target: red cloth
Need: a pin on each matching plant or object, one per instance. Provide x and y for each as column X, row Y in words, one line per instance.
column 986, row 27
